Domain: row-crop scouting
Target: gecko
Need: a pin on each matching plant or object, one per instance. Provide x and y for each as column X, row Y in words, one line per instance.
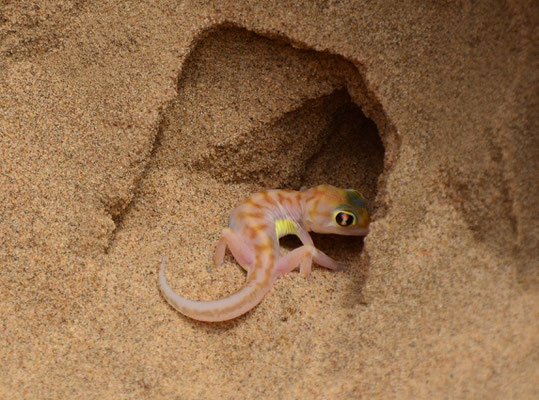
column 252, row 236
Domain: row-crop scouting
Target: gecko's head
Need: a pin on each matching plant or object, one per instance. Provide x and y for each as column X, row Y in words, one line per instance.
column 329, row 209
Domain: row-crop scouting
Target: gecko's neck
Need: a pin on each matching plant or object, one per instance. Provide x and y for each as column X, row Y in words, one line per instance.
column 307, row 207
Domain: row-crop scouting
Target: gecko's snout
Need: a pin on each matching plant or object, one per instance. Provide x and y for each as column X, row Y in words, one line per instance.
column 364, row 218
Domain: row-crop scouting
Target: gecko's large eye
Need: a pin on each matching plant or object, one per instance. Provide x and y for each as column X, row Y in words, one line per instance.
column 345, row 218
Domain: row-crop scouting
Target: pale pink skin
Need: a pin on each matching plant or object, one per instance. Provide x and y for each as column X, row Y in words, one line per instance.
column 252, row 239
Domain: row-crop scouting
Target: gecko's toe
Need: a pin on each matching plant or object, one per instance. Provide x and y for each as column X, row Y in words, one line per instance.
column 340, row 266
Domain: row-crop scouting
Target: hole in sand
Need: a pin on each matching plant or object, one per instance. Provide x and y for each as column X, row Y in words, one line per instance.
column 256, row 110
column 255, row 113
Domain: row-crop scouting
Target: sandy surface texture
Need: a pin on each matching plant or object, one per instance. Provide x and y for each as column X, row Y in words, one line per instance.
column 129, row 130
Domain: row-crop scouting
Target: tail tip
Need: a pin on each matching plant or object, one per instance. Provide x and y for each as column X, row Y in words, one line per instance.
column 163, row 262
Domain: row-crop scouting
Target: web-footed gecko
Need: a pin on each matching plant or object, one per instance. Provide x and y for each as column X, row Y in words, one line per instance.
column 254, row 229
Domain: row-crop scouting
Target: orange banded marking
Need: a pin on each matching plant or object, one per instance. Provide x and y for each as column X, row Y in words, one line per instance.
column 268, row 198
column 253, row 231
column 313, row 211
column 251, row 202
column 264, row 248
column 326, row 214
column 251, row 214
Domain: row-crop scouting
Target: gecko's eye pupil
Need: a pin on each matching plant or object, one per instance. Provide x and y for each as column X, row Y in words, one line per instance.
column 344, row 219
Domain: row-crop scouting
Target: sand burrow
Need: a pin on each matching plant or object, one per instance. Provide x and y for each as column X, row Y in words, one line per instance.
column 254, row 113
column 258, row 110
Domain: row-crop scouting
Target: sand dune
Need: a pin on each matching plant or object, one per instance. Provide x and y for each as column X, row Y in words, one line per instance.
column 129, row 131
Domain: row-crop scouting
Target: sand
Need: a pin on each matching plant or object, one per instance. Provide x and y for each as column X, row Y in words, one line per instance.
column 128, row 131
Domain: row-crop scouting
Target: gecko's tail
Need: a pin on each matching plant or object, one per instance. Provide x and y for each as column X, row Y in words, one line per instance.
column 216, row 310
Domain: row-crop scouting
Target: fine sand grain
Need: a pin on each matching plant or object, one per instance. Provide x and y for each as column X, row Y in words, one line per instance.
column 128, row 131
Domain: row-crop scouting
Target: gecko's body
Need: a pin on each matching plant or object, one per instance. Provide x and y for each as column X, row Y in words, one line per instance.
column 253, row 233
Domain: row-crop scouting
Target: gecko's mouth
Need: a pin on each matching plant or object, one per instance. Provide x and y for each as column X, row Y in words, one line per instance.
column 360, row 232
column 349, row 232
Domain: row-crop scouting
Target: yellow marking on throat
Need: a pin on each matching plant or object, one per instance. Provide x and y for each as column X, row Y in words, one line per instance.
column 285, row 227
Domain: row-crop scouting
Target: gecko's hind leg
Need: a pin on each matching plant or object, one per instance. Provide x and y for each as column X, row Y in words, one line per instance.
column 241, row 252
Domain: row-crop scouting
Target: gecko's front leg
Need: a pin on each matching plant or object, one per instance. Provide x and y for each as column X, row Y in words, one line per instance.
column 301, row 257
column 319, row 256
